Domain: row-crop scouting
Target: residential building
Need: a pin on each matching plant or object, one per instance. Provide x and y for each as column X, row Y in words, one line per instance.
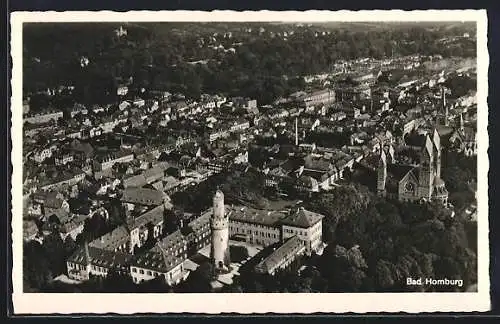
column 41, row 118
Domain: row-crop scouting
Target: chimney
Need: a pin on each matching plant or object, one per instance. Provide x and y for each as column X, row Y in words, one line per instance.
column 296, row 132
column 445, row 107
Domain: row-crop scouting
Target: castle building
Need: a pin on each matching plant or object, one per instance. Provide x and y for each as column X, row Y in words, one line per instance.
column 219, row 224
column 262, row 227
column 413, row 182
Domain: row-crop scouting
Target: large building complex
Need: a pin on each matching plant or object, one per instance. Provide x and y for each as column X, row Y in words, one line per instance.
column 413, row 182
column 264, row 227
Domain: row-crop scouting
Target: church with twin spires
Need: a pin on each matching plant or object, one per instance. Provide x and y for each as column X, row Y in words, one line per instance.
column 413, row 182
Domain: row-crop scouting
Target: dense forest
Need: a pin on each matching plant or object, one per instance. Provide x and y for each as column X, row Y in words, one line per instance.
column 235, row 59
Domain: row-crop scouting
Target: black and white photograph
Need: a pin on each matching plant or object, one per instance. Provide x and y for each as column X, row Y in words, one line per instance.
column 307, row 157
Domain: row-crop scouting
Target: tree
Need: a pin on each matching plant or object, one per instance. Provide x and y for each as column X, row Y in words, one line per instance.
column 199, row 281
column 55, row 253
column 343, row 268
column 36, row 267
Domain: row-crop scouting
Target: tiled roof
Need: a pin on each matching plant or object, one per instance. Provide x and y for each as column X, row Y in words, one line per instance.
column 73, row 222
column 154, row 173
column 48, row 199
column 62, row 215
column 254, row 216
column 156, row 260
column 102, row 258
column 197, row 224
column 112, row 240
column 316, row 174
column 306, row 181
column 173, row 241
column 155, row 216
column 143, row 196
column 290, row 247
column 135, row 181
column 302, row 218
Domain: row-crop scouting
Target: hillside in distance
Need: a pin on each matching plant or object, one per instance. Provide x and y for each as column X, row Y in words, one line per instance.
column 260, row 60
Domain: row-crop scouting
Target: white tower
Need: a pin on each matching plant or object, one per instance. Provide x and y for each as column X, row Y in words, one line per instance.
column 219, row 224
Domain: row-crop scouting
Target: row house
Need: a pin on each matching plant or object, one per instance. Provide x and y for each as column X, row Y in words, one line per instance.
column 64, row 158
column 108, row 124
column 181, row 140
column 124, row 105
column 278, row 114
column 147, row 225
column 162, row 95
column 122, row 90
column 117, row 240
column 72, row 227
column 208, row 104
column 45, row 153
column 78, row 109
column 158, row 263
column 199, row 232
column 73, row 133
column 98, row 109
column 217, row 134
column 92, row 261
column 41, row 118
column 139, row 102
column 167, row 258
column 107, row 161
column 91, row 132
column 67, row 179
column 239, row 125
column 338, row 116
column 322, row 97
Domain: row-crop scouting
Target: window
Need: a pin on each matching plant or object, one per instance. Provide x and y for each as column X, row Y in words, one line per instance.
column 141, row 271
column 149, row 273
column 134, row 270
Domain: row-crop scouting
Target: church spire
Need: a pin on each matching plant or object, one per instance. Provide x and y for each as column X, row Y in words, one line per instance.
column 381, row 172
column 390, row 154
column 445, row 106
